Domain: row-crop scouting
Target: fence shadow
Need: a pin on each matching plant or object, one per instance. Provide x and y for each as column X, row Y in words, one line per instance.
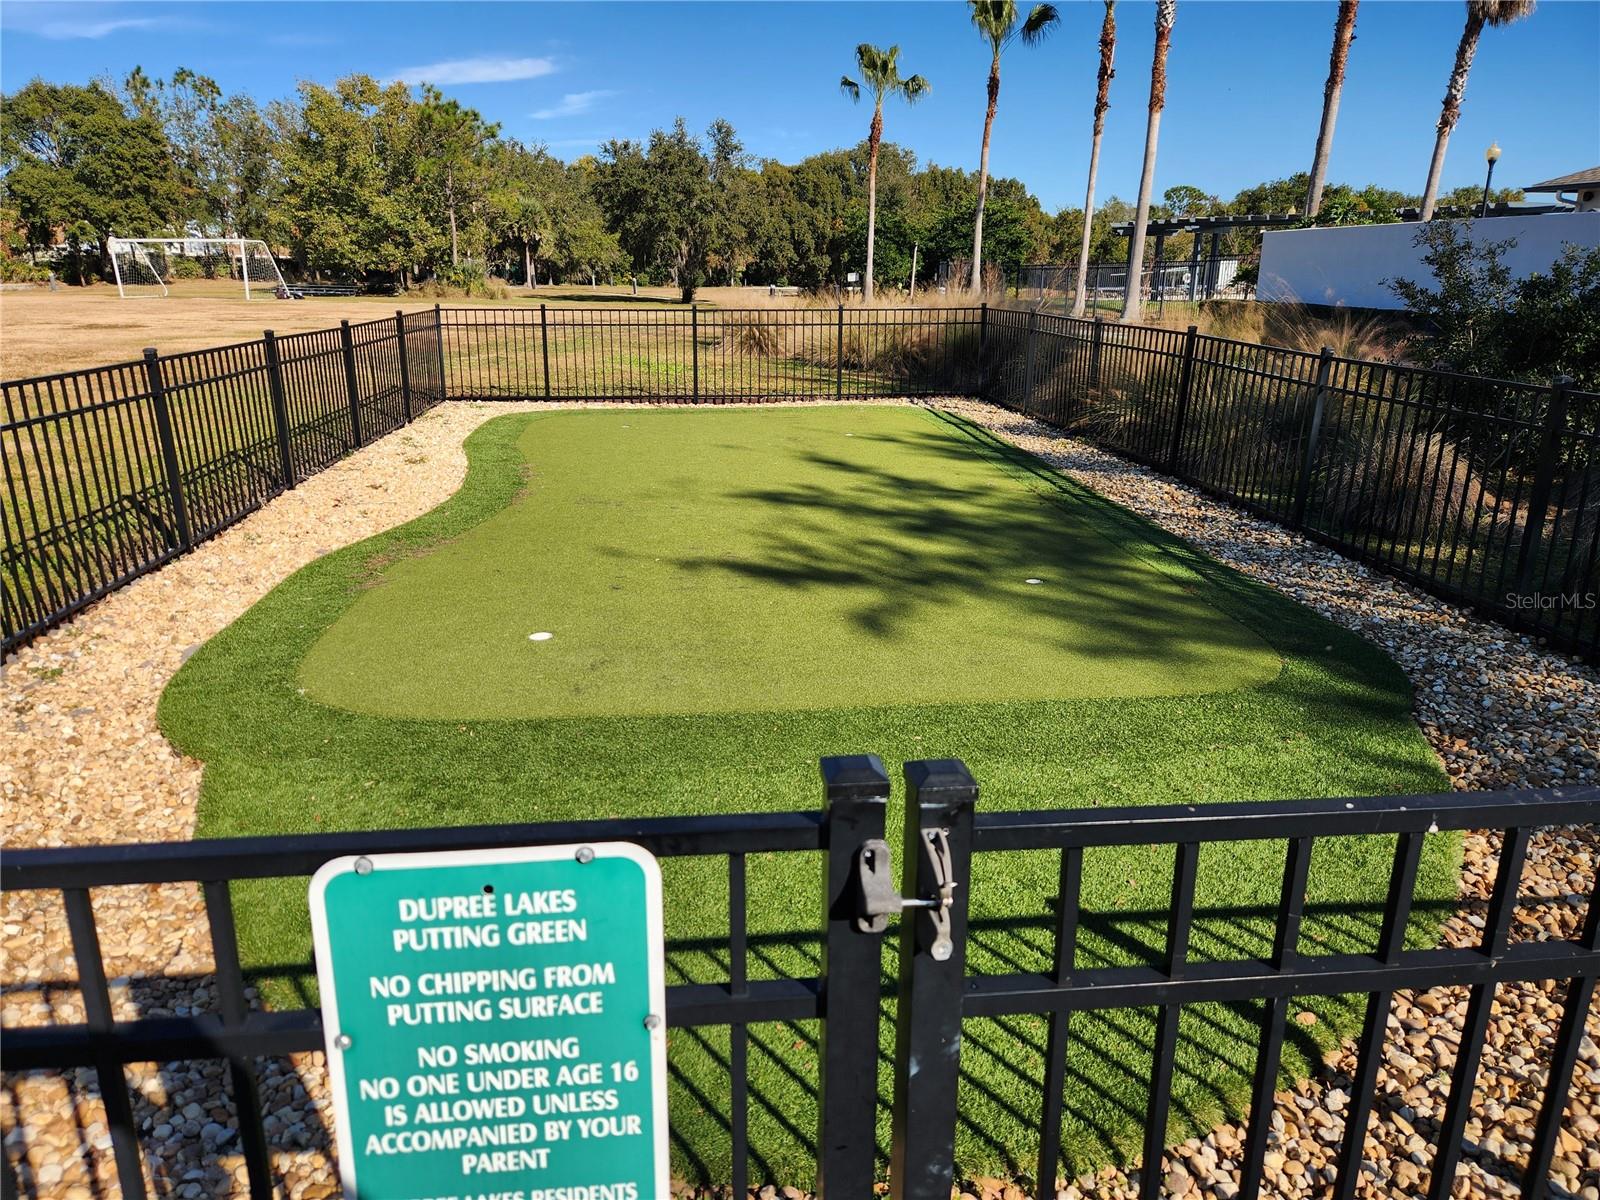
column 185, row 1111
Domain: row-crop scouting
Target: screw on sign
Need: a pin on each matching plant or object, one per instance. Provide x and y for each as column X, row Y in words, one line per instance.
column 494, row 1022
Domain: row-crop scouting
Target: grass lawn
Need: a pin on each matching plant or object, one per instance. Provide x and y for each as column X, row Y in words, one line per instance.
column 734, row 593
column 77, row 327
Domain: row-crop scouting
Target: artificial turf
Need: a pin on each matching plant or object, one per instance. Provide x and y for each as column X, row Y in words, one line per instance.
column 771, row 561
column 734, row 593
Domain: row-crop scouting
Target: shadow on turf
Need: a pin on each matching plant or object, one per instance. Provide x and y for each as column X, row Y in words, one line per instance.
column 946, row 548
column 1101, row 1123
column 949, row 550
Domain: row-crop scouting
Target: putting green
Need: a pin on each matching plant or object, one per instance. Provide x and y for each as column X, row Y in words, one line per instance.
column 747, row 560
column 735, row 593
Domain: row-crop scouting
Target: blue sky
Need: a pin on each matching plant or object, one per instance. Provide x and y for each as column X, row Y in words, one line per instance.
column 1243, row 103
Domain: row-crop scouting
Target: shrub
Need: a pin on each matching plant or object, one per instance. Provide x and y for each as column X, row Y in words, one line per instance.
column 1294, row 327
column 753, row 333
column 20, row 270
column 467, row 279
column 1394, row 481
column 1480, row 321
column 1553, row 327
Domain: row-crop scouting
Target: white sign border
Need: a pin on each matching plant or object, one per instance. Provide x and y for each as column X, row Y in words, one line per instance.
column 654, row 933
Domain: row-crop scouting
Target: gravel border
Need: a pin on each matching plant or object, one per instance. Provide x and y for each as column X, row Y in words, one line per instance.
column 85, row 762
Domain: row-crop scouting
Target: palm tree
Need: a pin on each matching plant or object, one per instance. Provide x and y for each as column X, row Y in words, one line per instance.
column 1344, row 31
column 1479, row 14
column 880, row 70
column 1102, row 101
column 1133, row 290
column 996, row 20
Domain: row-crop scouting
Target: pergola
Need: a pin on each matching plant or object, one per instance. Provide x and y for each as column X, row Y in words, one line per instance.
column 1159, row 230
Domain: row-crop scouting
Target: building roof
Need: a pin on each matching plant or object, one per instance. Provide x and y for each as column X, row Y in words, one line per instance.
column 1589, row 177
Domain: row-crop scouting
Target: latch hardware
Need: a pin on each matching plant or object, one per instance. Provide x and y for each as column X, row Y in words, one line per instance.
column 880, row 901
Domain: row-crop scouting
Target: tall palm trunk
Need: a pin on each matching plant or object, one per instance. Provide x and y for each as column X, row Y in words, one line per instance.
column 1466, row 49
column 873, row 138
column 983, row 173
column 1102, row 101
column 1133, row 291
column 1344, row 30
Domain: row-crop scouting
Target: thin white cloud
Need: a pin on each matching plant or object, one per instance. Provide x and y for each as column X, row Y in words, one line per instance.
column 483, row 69
column 60, row 31
column 572, row 104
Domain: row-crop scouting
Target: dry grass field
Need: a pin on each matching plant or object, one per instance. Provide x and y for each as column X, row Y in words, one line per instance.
column 42, row 332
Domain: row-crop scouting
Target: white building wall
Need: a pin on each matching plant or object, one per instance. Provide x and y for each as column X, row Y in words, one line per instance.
column 1347, row 264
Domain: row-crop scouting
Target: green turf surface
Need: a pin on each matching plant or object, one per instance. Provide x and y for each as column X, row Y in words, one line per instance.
column 821, row 549
column 771, row 560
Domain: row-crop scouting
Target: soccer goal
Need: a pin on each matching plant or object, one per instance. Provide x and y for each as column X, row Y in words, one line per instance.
column 146, row 266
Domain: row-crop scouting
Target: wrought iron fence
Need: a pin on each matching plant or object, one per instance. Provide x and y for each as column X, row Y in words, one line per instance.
column 844, row 997
column 711, row 356
column 937, row 992
column 1483, row 491
column 111, row 472
column 948, row 850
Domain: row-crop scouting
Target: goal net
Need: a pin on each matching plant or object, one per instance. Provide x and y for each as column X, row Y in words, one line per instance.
column 149, row 266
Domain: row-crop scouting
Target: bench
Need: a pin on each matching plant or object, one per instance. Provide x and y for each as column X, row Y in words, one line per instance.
column 301, row 291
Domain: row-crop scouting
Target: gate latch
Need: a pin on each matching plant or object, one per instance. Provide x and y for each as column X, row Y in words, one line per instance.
column 879, row 900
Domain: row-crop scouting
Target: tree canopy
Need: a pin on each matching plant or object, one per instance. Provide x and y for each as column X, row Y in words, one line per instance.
column 78, row 162
column 365, row 180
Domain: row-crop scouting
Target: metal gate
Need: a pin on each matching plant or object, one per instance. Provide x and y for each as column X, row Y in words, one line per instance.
column 944, row 842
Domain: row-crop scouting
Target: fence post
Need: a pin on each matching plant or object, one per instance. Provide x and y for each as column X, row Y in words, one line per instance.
column 838, row 358
column 1027, row 371
column 940, row 798
column 1302, row 487
column 983, row 350
column 405, row 367
column 544, row 346
column 694, row 344
column 855, row 794
column 1544, row 476
column 169, row 447
column 352, row 388
column 1096, row 340
column 438, row 328
column 1181, row 409
column 280, row 409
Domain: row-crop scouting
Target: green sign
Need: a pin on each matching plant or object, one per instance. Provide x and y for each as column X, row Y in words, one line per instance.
column 494, row 1023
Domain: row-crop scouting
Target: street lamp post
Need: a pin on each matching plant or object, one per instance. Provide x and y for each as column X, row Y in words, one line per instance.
column 1490, row 156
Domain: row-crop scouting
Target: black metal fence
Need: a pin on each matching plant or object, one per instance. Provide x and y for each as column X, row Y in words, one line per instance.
column 844, row 996
column 1483, row 491
column 945, row 847
column 711, row 356
column 111, row 472
column 936, row 992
